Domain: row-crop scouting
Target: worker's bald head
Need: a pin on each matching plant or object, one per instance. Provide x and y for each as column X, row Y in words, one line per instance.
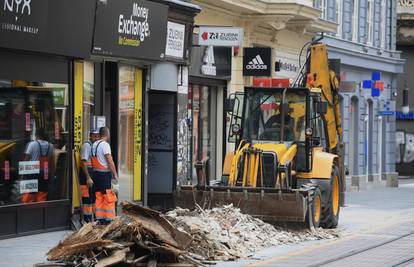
column 104, row 132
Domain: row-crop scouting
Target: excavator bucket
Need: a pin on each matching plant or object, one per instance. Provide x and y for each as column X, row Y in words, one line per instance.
column 268, row 204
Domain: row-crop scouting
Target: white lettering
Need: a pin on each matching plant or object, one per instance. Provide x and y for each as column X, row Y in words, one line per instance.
column 256, row 67
column 9, row 5
column 26, row 4
column 131, row 26
column 121, row 18
column 18, row 2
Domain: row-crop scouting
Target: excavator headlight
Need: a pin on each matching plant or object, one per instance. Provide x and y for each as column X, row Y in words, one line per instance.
column 235, row 128
column 309, row 132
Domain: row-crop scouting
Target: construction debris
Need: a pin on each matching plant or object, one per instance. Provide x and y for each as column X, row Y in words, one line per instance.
column 225, row 233
column 140, row 235
column 144, row 237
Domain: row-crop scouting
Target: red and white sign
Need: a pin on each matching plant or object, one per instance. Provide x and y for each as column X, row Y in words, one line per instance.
column 29, row 186
column 45, row 170
column 6, row 170
column 270, row 82
column 29, row 167
column 220, row 36
column 28, row 129
column 57, row 131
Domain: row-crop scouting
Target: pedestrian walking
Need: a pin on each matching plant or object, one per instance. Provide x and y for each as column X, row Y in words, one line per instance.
column 104, row 173
column 41, row 151
column 85, row 178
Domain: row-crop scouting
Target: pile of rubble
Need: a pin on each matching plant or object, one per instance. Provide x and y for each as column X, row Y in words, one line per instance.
column 140, row 237
column 143, row 237
column 225, row 233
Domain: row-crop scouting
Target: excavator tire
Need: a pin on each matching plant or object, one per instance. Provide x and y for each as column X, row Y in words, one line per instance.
column 314, row 210
column 330, row 214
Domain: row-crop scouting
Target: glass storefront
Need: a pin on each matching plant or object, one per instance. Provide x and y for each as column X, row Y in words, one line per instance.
column 204, row 127
column 33, row 142
column 126, row 119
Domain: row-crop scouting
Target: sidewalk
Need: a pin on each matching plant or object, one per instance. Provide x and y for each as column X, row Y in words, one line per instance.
column 28, row 250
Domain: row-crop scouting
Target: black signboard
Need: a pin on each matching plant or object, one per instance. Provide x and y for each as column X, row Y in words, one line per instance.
column 130, row 28
column 62, row 27
column 256, row 61
column 213, row 62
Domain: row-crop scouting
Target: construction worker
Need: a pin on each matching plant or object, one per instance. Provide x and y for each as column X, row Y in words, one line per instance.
column 104, row 173
column 85, row 177
column 41, row 151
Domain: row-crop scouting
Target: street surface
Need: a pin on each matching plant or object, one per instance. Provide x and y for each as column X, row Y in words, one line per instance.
column 377, row 230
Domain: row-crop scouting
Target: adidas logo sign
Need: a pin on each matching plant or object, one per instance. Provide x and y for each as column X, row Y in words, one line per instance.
column 256, row 64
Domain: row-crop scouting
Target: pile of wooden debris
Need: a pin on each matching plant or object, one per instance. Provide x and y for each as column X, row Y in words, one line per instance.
column 224, row 233
column 141, row 237
column 144, row 237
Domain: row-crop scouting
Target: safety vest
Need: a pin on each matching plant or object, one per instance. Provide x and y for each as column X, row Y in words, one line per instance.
column 44, row 160
column 96, row 165
column 88, row 163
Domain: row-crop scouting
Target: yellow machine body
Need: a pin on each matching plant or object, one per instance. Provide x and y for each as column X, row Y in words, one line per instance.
column 274, row 179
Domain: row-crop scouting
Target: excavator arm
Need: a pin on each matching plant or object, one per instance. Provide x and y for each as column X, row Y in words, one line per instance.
column 321, row 76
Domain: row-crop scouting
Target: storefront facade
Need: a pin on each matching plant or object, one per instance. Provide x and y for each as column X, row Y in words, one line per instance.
column 210, row 73
column 167, row 109
column 283, row 27
column 58, row 89
column 37, row 53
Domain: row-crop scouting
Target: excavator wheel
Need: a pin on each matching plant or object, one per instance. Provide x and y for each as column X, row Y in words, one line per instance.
column 314, row 210
column 330, row 215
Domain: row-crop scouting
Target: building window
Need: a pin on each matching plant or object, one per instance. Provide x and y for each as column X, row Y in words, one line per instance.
column 383, row 23
column 370, row 22
column 339, row 18
column 355, row 17
column 324, row 9
column 34, row 138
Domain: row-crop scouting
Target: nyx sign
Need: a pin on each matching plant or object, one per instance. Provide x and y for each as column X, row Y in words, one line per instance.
column 23, row 18
column 256, row 61
column 17, row 6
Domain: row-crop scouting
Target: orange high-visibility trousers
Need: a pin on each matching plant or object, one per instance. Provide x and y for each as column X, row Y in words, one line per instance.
column 34, row 197
column 106, row 199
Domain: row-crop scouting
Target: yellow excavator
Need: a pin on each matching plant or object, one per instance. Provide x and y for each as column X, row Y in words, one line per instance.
column 288, row 162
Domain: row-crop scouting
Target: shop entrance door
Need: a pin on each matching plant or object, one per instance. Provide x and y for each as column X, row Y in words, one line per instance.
column 161, row 149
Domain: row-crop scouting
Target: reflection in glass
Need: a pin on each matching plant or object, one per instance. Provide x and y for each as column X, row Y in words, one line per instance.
column 33, row 142
column 126, row 132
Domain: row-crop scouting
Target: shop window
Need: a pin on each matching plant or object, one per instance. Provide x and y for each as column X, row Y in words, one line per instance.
column 203, row 127
column 33, row 142
column 88, row 99
column 126, row 131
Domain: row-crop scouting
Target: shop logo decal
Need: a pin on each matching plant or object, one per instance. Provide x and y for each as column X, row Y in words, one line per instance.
column 204, row 35
column 18, row 7
column 135, row 29
column 9, row 5
column 256, row 64
column 208, row 67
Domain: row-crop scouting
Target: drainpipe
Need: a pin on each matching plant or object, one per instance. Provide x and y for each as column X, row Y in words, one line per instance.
column 366, row 119
column 380, row 147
